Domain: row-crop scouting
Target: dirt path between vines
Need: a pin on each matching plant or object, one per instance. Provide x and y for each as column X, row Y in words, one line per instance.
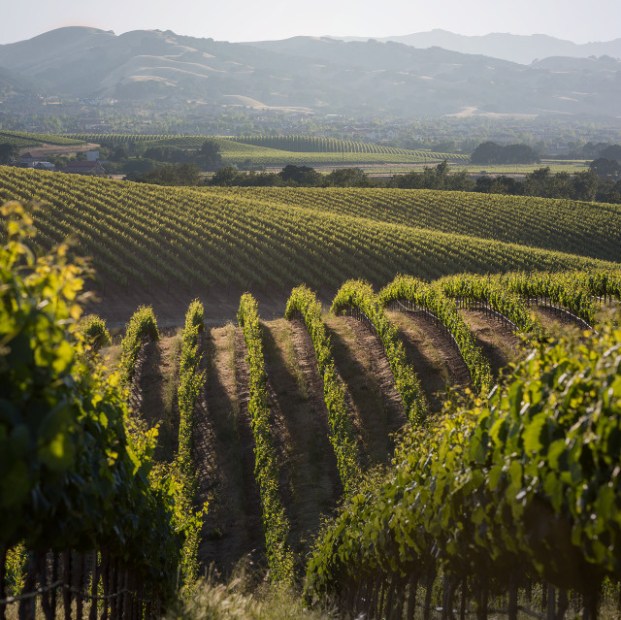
column 309, row 478
column 497, row 339
column 557, row 324
column 224, row 454
column 435, row 358
column 361, row 362
column 157, row 376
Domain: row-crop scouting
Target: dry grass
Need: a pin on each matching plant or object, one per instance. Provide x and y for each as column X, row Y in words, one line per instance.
column 242, row 599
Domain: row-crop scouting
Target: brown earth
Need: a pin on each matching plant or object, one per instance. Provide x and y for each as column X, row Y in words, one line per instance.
column 430, row 350
column 309, row 476
column 361, row 362
column 309, row 482
column 558, row 323
column 224, row 455
column 494, row 336
column 154, row 397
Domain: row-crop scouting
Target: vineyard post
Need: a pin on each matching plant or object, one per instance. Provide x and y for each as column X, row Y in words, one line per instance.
column 412, row 592
column 80, row 560
column 513, row 598
column 28, row 605
column 54, row 592
column 551, row 604
column 44, row 582
column 464, row 600
column 482, row 601
column 431, row 577
column 92, row 614
column 562, row 604
column 66, row 594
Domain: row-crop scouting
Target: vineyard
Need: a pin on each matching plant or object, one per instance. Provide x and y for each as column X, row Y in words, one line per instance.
column 358, row 449
column 23, row 139
column 282, row 150
column 224, row 241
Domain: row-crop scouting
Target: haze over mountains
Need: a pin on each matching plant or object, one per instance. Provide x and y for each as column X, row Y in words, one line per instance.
column 305, row 74
column 515, row 48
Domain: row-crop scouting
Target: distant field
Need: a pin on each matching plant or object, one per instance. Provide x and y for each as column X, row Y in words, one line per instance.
column 282, row 150
column 273, row 239
column 24, row 139
column 555, row 165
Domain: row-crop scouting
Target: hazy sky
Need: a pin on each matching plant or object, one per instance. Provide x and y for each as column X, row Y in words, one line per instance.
column 250, row 20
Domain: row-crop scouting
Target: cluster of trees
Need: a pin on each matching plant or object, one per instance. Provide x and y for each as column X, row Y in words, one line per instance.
column 292, row 175
column 587, row 185
column 595, row 150
column 8, row 152
column 169, row 164
column 492, row 153
column 172, row 174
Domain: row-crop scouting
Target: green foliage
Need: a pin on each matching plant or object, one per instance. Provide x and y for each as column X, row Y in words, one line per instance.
column 191, row 383
column 560, row 289
column 304, row 303
column 424, row 295
column 94, row 331
column 359, row 295
column 24, row 139
column 74, row 468
column 274, row 238
column 275, row 522
column 492, row 153
column 521, row 485
column 142, row 326
column 235, row 601
column 172, row 174
column 279, row 150
column 500, row 298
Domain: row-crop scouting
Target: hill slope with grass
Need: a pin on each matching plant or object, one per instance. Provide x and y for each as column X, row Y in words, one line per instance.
column 140, row 234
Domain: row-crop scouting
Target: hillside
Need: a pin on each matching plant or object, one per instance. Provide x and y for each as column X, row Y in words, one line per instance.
column 165, row 245
column 281, row 150
column 515, row 48
column 220, row 442
column 360, row 394
column 303, row 75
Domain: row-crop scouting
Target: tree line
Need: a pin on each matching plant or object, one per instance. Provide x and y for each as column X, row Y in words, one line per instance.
column 588, row 185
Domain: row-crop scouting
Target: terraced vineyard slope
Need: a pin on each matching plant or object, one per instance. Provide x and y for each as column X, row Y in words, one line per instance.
column 290, row 413
column 222, row 242
column 282, row 150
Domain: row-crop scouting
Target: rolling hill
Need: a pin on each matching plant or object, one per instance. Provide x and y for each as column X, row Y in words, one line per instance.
column 515, row 48
column 305, row 75
column 167, row 244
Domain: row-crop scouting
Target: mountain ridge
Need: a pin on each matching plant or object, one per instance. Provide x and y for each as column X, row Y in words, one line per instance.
column 308, row 74
column 523, row 49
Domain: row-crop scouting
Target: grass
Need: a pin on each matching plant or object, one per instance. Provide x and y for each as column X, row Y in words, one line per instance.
column 241, row 598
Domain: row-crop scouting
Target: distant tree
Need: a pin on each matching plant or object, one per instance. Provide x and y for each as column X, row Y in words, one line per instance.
column 585, row 185
column 8, row 152
column 300, row 175
column 347, row 177
column 228, row 175
column 519, row 154
column 492, row 153
column 135, row 168
column 118, row 153
column 606, row 168
column 612, row 152
column 168, row 154
column 209, row 156
column 536, row 183
column 609, row 192
column 172, row 174
column 486, row 153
